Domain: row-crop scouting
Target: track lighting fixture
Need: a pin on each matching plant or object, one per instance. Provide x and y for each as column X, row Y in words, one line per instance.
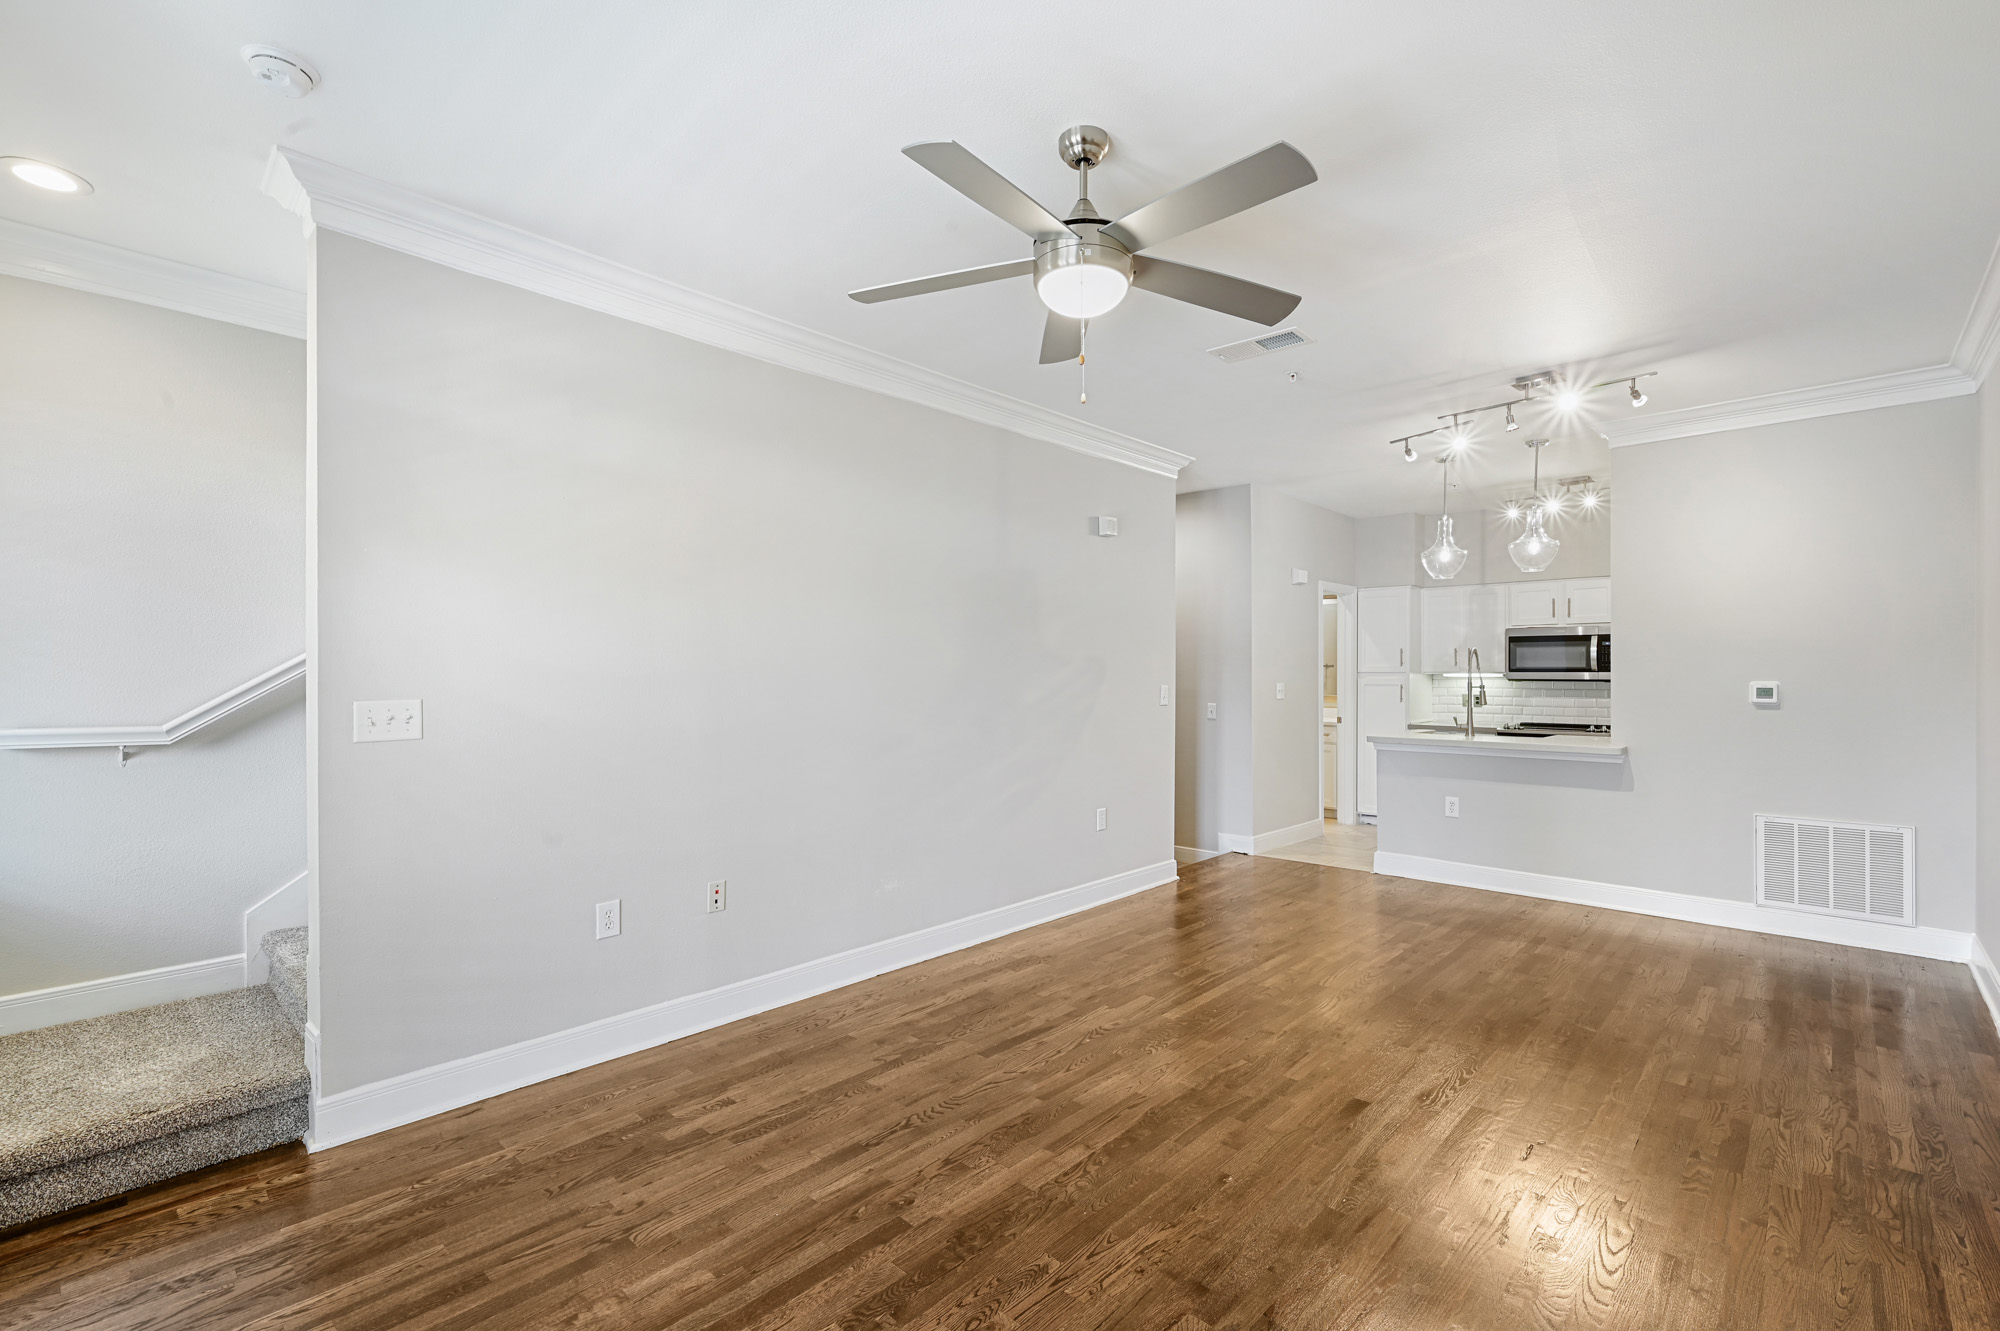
column 1565, row 397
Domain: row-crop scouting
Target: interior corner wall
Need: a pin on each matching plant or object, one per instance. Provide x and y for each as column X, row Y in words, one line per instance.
column 152, row 536
column 1988, row 904
column 1828, row 554
column 1212, row 757
column 675, row 615
column 1385, row 551
column 1287, row 535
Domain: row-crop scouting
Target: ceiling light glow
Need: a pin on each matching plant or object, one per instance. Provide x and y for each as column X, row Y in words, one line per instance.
column 1568, row 400
column 43, row 176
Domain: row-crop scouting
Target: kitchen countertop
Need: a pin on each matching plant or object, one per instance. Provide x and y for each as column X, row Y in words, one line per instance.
column 1574, row 748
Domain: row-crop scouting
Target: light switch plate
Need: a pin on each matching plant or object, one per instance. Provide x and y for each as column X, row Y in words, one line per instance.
column 1211, row 711
column 1165, row 696
column 399, row 718
column 1281, row 690
column 1764, row 693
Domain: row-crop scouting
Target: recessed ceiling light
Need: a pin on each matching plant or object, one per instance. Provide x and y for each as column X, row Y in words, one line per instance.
column 43, row 176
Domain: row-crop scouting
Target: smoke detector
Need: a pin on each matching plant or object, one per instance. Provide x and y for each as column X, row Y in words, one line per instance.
column 1260, row 346
column 288, row 74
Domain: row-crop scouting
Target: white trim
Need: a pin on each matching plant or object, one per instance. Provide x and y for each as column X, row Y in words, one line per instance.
column 282, row 909
column 118, row 993
column 378, row 1106
column 1575, row 750
column 1919, row 941
column 1235, row 843
column 106, row 270
column 1288, row 836
column 356, row 205
column 1798, row 404
column 1987, row 978
column 134, row 737
column 1193, row 854
column 1978, row 345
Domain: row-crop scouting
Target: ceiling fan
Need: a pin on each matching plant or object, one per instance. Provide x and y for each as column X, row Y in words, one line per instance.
column 1085, row 263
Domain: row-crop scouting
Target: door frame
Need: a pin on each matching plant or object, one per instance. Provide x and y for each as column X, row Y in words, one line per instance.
column 1346, row 681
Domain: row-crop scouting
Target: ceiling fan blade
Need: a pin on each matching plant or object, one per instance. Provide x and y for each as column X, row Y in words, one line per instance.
column 1215, row 291
column 1258, row 178
column 986, row 187
column 964, row 277
column 1062, row 339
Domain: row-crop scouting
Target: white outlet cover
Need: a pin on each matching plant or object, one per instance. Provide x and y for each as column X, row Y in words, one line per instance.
column 396, row 718
column 1451, row 806
column 608, row 913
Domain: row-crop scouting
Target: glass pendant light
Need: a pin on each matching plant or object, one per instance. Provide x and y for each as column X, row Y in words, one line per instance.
column 1534, row 549
column 1444, row 559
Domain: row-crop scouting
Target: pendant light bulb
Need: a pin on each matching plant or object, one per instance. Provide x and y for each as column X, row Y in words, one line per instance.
column 1534, row 549
column 1638, row 398
column 1444, row 559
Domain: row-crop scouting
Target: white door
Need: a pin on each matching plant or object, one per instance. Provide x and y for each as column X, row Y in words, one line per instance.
column 1329, row 767
column 1534, row 603
column 1441, row 629
column 1384, row 711
column 1486, row 629
column 1587, row 601
column 1385, row 629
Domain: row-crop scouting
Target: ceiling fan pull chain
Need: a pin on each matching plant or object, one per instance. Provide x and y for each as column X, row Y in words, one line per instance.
column 1082, row 370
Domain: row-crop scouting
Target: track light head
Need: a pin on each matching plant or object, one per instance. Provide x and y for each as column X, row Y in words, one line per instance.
column 1512, row 424
column 1568, row 399
column 1409, row 452
column 1638, row 398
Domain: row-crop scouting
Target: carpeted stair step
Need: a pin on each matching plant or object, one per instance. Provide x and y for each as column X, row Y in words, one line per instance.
column 287, row 950
column 92, row 1108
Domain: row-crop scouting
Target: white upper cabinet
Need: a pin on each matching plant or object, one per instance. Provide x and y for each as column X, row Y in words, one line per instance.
column 1441, row 626
column 1576, row 601
column 1531, row 603
column 1587, row 601
column 1387, row 630
column 1485, row 628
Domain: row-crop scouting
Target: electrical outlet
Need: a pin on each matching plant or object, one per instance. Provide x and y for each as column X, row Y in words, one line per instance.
column 1451, row 806
column 1165, row 697
column 1100, row 820
column 1281, row 691
column 402, row 718
column 718, row 896
column 607, row 919
column 1211, row 711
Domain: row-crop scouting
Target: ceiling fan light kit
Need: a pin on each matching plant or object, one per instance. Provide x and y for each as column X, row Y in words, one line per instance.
column 1084, row 264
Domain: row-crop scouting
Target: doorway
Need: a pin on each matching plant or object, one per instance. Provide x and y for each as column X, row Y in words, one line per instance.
column 1337, row 701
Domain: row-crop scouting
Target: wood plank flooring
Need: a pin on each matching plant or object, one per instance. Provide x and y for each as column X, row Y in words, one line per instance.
column 1281, row 1095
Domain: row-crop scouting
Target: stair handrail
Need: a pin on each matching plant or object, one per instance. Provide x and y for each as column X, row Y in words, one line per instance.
column 122, row 738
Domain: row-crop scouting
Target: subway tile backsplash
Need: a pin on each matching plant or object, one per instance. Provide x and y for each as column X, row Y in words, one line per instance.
column 1585, row 701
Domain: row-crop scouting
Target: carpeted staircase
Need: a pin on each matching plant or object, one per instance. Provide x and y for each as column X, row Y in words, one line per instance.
column 93, row 1108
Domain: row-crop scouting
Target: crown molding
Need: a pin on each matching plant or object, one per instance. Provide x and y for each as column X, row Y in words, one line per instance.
column 325, row 195
column 1798, row 404
column 1978, row 345
column 106, row 270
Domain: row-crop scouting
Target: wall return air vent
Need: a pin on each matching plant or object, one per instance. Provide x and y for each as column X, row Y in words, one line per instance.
column 1864, row 871
column 1260, row 346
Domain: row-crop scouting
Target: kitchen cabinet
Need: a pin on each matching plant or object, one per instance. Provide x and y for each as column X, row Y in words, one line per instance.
column 1387, row 630
column 1453, row 622
column 1384, row 710
column 1557, row 601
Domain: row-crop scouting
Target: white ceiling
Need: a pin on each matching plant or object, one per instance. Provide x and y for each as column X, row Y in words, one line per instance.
column 1750, row 198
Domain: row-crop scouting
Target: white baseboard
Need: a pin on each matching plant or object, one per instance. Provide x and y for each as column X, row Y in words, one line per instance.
column 1193, row 854
column 283, row 909
column 1938, row 944
column 1233, row 843
column 348, row 1115
column 118, row 993
column 1987, row 978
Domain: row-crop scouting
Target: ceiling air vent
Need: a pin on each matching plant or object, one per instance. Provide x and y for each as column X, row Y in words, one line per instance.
column 1863, row 871
column 1260, row 346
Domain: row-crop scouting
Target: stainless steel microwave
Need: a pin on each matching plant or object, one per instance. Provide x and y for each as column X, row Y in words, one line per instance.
column 1559, row 651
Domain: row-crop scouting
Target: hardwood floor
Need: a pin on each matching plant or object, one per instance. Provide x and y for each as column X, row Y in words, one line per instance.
column 1281, row 1095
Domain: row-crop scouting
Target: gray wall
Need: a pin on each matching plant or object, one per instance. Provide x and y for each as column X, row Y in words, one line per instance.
column 1832, row 555
column 1287, row 534
column 676, row 615
column 1989, row 670
column 152, row 538
column 1212, row 759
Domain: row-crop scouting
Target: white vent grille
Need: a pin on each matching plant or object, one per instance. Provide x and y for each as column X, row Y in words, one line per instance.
column 1864, row 871
column 1260, row 346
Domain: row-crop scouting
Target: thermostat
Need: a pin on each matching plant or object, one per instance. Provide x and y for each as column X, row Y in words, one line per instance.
column 1764, row 692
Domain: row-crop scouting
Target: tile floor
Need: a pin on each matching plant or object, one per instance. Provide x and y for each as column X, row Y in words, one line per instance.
column 1340, row 846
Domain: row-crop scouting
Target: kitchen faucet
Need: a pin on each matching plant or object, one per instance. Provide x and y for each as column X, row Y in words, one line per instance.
column 1473, row 697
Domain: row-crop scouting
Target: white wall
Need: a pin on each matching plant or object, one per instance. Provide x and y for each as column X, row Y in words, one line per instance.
column 1213, row 792
column 1834, row 555
column 678, row 615
column 1288, row 534
column 1989, row 670
column 152, row 515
